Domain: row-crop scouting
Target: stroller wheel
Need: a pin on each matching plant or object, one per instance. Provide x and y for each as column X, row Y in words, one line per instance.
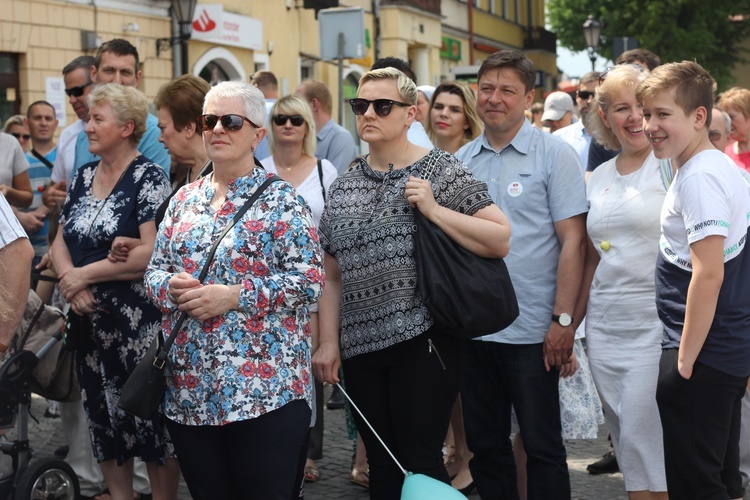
column 48, row 478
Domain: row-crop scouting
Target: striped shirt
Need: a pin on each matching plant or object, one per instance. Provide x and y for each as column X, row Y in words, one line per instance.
column 10, row 228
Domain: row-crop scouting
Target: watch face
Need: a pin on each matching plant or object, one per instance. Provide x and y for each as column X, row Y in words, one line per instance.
column 565, row 319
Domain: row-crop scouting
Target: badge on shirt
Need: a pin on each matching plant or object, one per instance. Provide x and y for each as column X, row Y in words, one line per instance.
column 515, row 189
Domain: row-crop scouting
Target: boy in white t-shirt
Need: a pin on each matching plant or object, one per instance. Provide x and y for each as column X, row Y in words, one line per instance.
column 702, row 271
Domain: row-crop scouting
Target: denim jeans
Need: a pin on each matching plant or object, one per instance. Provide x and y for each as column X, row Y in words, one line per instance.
column 497, row 377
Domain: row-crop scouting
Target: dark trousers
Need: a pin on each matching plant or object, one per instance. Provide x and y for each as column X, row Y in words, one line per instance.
column 256, row 458
column 315, row 448
column 407, row 392
column 497, row 377
column 701, row 422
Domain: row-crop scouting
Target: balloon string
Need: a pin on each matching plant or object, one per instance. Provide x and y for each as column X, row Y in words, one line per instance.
column 403, row 471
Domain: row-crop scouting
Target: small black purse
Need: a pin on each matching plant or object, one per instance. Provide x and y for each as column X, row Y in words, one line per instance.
column 467, row 295
column 144, row 390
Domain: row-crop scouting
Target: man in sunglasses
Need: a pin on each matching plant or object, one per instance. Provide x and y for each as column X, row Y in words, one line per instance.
column 78, row 84
column 116, row 61
column 577, row 134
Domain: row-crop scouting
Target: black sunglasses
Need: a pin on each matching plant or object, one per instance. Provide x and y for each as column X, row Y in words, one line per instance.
column 231, row 123
column 281, row 120
column 26, row 137
column 382, row 107
column 77, row 91
column 585, row 95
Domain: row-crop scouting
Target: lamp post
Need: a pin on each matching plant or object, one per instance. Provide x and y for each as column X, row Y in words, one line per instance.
column 182, row 10
column 592, row 30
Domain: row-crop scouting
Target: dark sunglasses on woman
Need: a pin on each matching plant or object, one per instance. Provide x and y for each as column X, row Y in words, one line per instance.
column 382, row 107
column 231, row 123
column 77, row 91
column 18, row 136
column 281, row 120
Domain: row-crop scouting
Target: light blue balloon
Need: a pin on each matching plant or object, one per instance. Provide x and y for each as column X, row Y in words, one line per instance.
column 421, row 487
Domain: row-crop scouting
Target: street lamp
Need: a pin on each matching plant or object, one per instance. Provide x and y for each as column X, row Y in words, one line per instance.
column 592, row 30
column 182, row 10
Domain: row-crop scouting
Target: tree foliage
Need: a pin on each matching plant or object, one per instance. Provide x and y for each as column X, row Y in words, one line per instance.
column 708, row 32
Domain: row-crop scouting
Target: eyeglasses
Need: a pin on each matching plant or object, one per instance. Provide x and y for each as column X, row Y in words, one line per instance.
column 18, row 136
column 77, row 91
column 231, row 123
column 382, row 107
column 585, row 95
column 714, row 135
column 603, row 75
column 281, row 120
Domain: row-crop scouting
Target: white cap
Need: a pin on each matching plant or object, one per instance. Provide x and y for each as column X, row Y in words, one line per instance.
column 556, row 105
column 427, row 90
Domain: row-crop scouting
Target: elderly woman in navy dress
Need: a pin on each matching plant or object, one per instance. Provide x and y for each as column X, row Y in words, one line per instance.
column 116, row 196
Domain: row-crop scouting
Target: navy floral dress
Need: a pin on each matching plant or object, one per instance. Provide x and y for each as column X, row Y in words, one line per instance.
column 127, row 321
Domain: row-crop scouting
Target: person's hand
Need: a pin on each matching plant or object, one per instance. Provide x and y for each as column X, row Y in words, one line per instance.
column 558, row 345
column 208, row 301
column 83, row 302
column 419, row 194
column 121, row 248
column 326, row 362
column 685, row 369
column 4, row 190
column 30, row 221
column 73, row 282
column 569, row 368
column 45, row 263
column 181, row 283
column 54, row 195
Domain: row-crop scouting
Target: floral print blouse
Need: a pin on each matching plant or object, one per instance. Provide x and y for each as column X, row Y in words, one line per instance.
column 255, row 359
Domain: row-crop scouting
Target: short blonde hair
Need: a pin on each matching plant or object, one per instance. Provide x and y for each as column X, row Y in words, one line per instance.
column 127, row 103
column 294, row 105
column 469, row 99
column 693, row 86
column 622, row 77
column 406, row 87
column 737, row 98
column 13, row 121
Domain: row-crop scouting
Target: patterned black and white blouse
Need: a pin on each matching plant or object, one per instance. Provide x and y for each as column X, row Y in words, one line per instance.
column 367, row 226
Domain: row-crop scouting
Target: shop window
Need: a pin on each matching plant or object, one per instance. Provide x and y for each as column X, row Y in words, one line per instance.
column 10, row 92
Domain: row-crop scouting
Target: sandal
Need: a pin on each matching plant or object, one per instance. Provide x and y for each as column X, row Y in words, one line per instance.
column 360, row 477
column 311, row 474
column 449, row 454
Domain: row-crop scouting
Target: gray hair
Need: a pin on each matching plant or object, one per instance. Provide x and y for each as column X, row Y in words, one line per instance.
column 127, row 103
column 253, row 100
column 727, row 120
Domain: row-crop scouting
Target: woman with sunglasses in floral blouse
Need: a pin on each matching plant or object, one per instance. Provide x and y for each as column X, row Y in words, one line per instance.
column 238, row 395
column 402, row 373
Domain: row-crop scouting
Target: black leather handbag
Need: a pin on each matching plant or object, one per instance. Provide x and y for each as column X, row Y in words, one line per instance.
column 144, row 390
column 467, row 295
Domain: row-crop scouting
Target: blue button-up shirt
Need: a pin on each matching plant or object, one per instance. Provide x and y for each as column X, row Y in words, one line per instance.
column 536, row 180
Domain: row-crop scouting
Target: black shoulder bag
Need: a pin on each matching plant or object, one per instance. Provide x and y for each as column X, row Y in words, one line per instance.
column 467, row 295
column 144, row 390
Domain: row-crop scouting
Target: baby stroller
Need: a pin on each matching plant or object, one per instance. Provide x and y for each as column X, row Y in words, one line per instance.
column 32, row 478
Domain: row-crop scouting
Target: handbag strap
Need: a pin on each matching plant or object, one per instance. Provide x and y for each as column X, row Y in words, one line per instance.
column 161, row 358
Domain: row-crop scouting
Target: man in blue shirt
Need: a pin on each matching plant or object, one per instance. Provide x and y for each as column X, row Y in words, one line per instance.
column 117, row 62
column 535, row 178
column 41, row 157
column 335, row 143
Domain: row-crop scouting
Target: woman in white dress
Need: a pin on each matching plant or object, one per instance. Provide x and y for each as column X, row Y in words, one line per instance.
column 623, row 331
column 292, row 142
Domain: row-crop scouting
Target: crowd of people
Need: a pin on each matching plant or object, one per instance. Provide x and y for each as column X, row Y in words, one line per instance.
column 620, row 212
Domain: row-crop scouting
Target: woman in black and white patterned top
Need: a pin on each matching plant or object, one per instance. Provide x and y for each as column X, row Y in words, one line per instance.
column 402, row 373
